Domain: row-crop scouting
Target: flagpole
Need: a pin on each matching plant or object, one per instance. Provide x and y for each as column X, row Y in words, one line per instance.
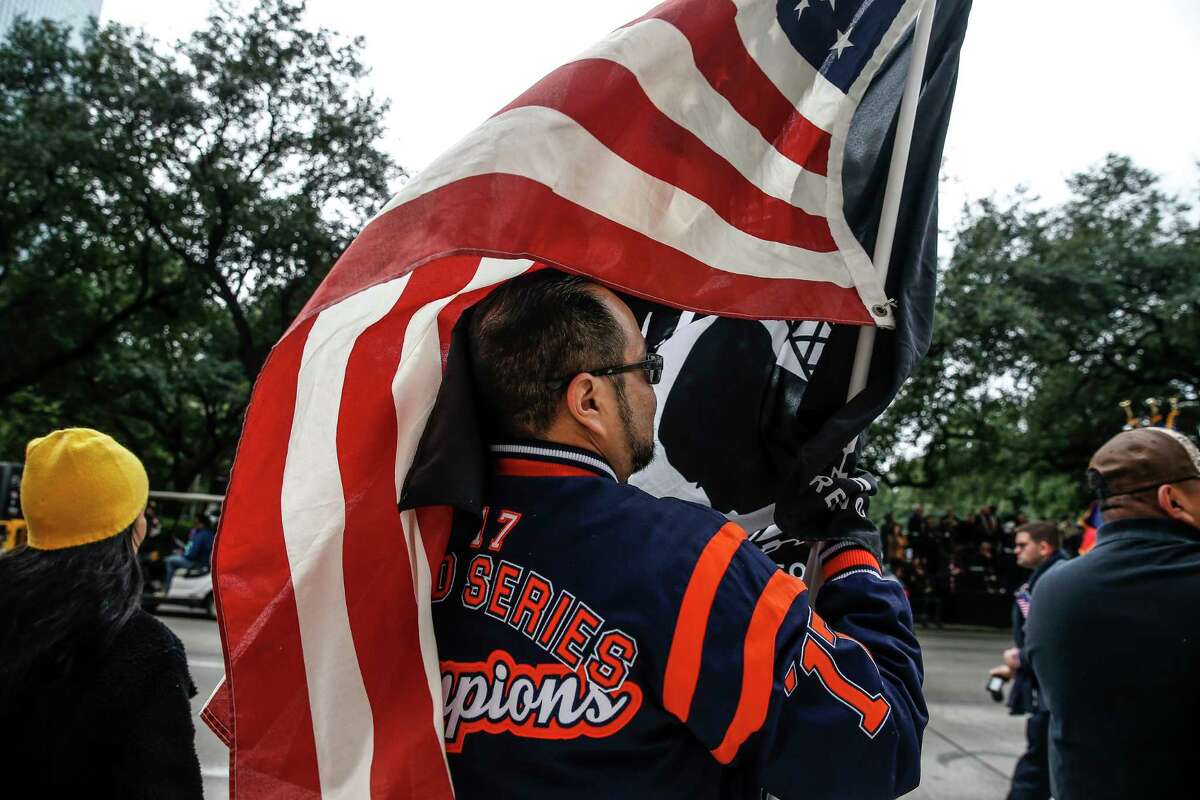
column 888, row 215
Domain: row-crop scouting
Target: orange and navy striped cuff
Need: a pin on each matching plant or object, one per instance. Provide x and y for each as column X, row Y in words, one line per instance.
column 839, row 558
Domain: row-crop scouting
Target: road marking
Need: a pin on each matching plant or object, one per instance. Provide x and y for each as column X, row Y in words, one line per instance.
column 206, row 663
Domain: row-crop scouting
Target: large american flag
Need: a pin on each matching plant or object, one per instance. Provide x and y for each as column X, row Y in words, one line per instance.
column 692, row 158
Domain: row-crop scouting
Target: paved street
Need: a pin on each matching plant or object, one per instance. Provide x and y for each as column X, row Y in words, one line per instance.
column 970, row 745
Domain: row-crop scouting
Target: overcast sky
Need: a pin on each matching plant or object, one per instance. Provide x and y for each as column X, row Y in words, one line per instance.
column 1047, row 86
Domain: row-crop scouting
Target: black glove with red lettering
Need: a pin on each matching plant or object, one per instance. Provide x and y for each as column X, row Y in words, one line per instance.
column 833, row 508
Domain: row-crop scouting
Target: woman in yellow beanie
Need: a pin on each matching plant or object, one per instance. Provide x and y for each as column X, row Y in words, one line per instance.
column 94, row 692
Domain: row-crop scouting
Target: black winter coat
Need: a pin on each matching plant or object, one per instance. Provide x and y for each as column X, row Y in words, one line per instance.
column 120, row 727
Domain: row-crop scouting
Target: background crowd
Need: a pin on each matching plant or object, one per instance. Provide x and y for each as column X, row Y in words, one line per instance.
column 959, row 568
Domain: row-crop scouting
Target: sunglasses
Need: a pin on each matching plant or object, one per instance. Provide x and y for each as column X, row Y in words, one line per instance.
column 652, row 365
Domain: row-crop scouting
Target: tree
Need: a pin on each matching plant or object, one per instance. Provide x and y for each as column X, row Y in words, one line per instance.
column 166, row 212
column 1047, row 319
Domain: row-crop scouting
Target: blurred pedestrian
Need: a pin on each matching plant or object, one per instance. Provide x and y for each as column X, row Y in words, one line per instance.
column 1115, row 635
column 197, row 554
column 896, row 547
column 1039, row 548
column 885, row 532
column 153, row 523
column 987, row 527
column 94, row 692
column 984, row 565
column 926, row 594
column 918, row 523
column 949, row 522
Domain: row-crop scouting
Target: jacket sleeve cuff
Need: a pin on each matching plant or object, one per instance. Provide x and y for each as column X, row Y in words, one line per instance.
column 838, row 558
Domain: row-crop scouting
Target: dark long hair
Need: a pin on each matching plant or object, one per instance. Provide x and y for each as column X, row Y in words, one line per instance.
column 60, row 607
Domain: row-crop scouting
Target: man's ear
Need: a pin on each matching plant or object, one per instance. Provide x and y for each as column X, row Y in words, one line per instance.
column 584, row 403
column 1169, row 503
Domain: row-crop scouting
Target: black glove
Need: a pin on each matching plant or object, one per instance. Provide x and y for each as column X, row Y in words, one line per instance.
column 832, row 508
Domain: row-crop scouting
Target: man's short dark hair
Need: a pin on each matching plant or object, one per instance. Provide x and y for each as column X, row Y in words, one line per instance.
column 528, row 333
column 1046, row 532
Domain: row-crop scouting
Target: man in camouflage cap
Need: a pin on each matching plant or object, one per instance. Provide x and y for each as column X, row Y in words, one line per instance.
column 1116, row 641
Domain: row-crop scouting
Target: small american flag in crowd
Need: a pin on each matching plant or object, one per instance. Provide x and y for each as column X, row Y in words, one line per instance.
column 1023, row 596
column 692, row 158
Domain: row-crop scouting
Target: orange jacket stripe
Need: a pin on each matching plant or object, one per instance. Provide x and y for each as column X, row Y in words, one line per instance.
column 683, row 662
column 849, row 559
column 758, row 662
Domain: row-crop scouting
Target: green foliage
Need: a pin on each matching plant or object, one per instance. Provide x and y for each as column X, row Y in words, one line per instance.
column 1047, row 318
column 165, row 213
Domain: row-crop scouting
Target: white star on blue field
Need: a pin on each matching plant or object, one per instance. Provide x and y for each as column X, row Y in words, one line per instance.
column 838, row 39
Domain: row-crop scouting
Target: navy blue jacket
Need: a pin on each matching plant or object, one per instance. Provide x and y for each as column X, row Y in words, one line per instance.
column 1023, row 698
column 1115, row 644
column 200, row 546
column 599, row 642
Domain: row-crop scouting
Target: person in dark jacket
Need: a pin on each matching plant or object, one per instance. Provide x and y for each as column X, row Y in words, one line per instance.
column 918, row 524
column 1115, row 639
column 1038, row 547
column 641, row 647
column 94, row 692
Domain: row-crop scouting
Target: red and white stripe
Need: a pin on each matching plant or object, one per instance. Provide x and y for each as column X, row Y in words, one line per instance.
column 692, row 158
column 333, row 679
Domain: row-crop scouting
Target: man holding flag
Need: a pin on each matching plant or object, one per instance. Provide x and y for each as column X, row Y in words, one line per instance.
column 593, row 636
column 715, row 159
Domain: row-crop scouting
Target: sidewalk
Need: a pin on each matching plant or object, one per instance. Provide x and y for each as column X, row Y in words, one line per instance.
column 971, row 743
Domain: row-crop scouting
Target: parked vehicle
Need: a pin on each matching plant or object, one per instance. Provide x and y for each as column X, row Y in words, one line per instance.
column 192, row 588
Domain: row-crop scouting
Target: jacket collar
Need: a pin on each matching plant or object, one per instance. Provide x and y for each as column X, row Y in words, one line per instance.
column 1162, row 528
column 1051, row 560
column 534, row 458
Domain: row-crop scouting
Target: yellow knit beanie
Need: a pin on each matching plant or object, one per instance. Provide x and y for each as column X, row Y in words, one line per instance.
column 80, row 486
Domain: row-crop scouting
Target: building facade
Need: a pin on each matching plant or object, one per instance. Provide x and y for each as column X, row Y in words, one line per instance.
column 72, row 12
